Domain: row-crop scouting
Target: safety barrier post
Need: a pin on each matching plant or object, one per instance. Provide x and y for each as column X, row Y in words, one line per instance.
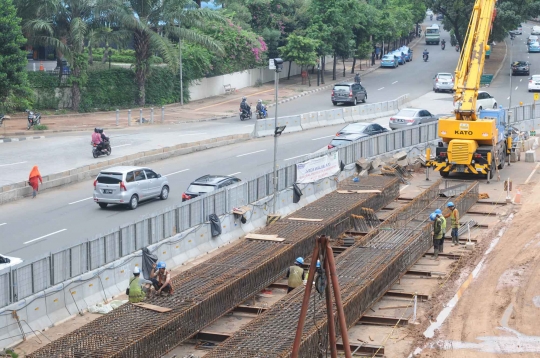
column 117, row 117
column 152, row 115
column 140, row 116
column 162, row 114
column 129, row 117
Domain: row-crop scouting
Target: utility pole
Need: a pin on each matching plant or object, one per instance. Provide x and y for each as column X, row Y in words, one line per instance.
column 181, row 78
column 277, row 64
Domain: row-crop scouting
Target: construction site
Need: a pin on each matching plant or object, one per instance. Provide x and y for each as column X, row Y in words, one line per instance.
column 234, row 303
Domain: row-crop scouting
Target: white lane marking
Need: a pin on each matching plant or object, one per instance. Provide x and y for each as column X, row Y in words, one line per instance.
column 230, row 175
column 5, row 165
column 394, row 82
column 403, row 187
column 180, row 171
column 257, row 151
column 121, row 145
column 508, row 98
column 44, row 236
column 183, row 135
column 78, row 201
column 516, row 88
column 328, row 136
column 380, row 88
column 298, row 156
column 534, row 171
column 3, row 224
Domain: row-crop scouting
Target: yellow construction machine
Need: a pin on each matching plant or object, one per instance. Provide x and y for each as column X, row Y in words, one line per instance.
column 473, row 141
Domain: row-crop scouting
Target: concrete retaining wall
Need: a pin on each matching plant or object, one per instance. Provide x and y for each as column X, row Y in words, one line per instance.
column 20, row 190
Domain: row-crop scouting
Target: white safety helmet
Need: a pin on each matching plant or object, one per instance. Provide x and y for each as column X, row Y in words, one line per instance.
column 136, row 270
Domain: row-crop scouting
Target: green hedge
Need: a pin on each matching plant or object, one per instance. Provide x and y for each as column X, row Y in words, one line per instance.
column 109, row 89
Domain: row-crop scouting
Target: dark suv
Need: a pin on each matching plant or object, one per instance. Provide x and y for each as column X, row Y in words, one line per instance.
column 520, row 68
column 207, row 184
column 349, row 92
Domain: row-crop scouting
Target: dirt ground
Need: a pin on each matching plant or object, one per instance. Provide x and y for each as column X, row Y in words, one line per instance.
column 493, row 64
column 498, row 314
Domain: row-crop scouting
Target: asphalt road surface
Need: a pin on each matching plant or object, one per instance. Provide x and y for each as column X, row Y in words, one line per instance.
column 61, row 218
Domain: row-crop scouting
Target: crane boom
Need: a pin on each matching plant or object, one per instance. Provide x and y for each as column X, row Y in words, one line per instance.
column 471, row 63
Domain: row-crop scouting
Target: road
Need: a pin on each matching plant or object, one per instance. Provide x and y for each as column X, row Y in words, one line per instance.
column 65, row 217
column 501, row 88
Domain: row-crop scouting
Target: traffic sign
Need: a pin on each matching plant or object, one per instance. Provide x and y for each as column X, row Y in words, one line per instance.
column 536, row 96
column 271, row 64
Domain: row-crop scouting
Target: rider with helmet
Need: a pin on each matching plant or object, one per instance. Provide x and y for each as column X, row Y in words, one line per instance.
column 426, row 54
column 261, row 109
column 245, row 107
column 161, row 279
column 296, row 274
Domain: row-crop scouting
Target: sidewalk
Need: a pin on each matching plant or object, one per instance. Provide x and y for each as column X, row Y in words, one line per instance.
column 212, row 108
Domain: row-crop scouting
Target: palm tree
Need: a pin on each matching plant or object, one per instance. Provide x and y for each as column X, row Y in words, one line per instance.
column 154, row 24
column 64, row 25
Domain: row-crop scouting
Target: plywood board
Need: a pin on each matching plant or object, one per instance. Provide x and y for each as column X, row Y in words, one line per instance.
column 261, row 237
column 357, row 191
column 305, row 219
column 153, row 307
column 277, row 239
column 241, row 210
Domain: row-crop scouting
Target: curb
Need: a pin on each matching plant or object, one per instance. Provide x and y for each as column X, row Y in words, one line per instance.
column 19, row 139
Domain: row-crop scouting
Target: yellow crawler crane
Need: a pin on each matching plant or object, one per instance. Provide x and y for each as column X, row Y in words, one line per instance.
column 472, row 142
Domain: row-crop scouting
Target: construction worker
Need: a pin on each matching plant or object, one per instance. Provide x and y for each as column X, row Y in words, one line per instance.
column 161, row 279
column 437, row 233
column 296, row 274
column 454, row 222
column 137, row 292
column 439, row 212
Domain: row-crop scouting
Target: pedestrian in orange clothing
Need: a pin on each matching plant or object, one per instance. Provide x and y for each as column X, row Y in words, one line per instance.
column 33, row 179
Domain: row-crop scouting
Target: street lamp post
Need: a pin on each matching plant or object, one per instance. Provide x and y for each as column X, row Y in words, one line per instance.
column 278, row 64
column 318, row 73
column 510, row 97
column 181, row 78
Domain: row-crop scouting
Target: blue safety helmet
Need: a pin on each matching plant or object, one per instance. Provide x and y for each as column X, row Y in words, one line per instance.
column 438, row 211
column 433, row 216
column 161, row 265
column 318, row 264
column 300, row 260
column 450, row 204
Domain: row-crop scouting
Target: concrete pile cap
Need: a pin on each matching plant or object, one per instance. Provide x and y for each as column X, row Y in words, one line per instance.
column 400, row 155
column 364, row 163
column 376, row 163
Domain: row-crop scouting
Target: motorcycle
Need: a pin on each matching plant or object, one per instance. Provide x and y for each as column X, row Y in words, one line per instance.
column 443, row 45
column 245, row 114
column 34, row 118
column 431, row 17
column 262, row 114
column 105, row 149
column 425, row 57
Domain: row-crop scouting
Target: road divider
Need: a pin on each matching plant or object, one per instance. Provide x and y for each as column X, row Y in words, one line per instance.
column 343, row 114
column 16, row 191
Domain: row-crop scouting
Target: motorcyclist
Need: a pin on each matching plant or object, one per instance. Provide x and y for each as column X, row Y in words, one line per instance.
column 357, row 78
column 425, row 54
column 431, row 17
column 103, row 138
column 244, row 106
column 261, row 108
column 96, row 138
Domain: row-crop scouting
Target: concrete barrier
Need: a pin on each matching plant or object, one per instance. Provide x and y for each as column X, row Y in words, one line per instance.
column 264, row 127
column 347, row 114
column 370, row 109
column 335, row 116
column 309, row 120
column 355, row 114
column 322, row 119
column 292, row 123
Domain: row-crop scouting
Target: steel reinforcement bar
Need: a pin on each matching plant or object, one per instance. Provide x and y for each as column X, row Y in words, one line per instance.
column 210, row 290
column 366, row 271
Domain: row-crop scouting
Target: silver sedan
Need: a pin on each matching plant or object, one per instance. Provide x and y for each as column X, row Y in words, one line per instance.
column 411, row 117
column 443, row 82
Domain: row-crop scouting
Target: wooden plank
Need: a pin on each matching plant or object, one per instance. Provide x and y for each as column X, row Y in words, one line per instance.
column 358, row 191
column 277, row 239
column 153, row 307
column 261, row 237
column 305, row 219
column 241, row 210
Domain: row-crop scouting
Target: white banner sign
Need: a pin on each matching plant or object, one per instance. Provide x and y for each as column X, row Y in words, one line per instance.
column 318, row 168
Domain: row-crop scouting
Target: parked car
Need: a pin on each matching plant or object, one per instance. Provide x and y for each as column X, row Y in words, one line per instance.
column 400, row 57
column 535, row 30
column 349, row 92
column 129, row 185
column 389, row 61
column 8, row 261
column 208, row 184
column 408, row 53
column 443, row 82
column 520, row 68
column 411, row 117
column 518, row 31
column 534, row 47
column 354, row 132
column 532, row 39
column 439, row 17
column 534, row 83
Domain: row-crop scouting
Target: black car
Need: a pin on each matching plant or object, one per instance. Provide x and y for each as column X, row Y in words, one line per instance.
column 439, row 17
column 520, row 68
column 207, row 184
column 354, row 132
column 349, row 92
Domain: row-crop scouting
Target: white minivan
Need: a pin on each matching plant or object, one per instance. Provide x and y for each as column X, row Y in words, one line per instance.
column 535, row 30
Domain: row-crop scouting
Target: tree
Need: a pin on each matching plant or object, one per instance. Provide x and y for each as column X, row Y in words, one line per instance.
column 301, row 50
column 13, row 80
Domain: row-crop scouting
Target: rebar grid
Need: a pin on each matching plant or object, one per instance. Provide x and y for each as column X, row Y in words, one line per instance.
column 210, row 290
column 366, row 270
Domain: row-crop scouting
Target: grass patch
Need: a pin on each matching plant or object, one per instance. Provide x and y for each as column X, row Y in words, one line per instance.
column 60, row 111
column 40, row 127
